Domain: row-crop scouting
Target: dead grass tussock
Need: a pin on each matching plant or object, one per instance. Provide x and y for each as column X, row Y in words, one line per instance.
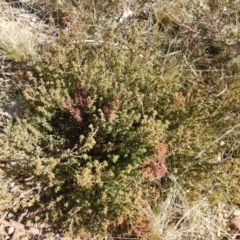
column 17, row 41
column 21, row 32
column 177, row 218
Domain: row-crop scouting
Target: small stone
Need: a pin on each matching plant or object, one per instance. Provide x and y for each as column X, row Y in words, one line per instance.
column 10, row 215
column 222, row 143
column 234, row 223
column 10, row 230
column 236, row 213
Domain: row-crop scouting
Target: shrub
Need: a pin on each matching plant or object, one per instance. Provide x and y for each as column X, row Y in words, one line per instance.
column 89, row 122
column 105, row 107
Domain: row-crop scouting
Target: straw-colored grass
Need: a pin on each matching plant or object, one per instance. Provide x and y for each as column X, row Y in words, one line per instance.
column 177, row 218
column 17, row 41
column 21, row 32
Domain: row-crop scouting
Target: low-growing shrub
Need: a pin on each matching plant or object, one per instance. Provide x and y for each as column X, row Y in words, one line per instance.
column 89, row 122
column 107, row 111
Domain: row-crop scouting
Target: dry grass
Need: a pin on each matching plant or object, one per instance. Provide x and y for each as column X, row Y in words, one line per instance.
column 177, row 218
column 21, row 33
column 17, row 41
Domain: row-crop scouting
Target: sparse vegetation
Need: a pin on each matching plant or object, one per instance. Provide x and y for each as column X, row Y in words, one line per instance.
column 123, row 125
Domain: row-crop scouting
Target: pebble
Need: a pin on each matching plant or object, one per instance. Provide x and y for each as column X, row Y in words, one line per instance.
column 10, row 230
column 234, row 223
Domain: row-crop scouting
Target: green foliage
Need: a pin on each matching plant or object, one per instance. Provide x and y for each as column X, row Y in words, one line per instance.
column 99, row 101
column 89, row 122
